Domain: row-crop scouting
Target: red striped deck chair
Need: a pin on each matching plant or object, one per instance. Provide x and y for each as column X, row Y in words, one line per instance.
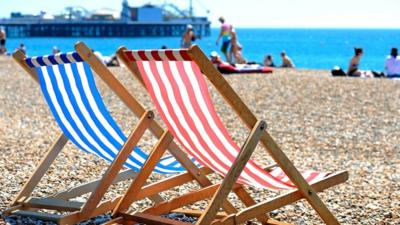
column 69, row 88
column 176, row 84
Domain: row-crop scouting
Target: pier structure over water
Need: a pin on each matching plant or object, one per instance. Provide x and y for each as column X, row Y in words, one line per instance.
column 144, row 21
column 101, row 29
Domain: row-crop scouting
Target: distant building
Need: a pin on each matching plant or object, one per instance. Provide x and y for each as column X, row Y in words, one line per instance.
column 104, row 14
column 146, row 13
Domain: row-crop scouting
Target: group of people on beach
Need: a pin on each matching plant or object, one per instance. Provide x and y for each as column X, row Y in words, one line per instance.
column 286, row 61
column 392, row 66
column 232, row 49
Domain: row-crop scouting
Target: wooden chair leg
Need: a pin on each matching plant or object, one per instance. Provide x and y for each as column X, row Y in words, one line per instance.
column 136, row 185
column 42, row 168
column 117, row 164
column 91, row 186
column 233, row 174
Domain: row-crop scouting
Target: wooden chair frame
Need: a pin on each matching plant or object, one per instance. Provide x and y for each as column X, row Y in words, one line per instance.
column 219, row 192
column 25, row 205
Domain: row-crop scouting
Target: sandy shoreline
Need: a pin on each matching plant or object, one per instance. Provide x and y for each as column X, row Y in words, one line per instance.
column 321, row 123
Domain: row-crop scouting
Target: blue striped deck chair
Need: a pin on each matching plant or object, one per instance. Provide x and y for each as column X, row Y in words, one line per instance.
column 69, row 88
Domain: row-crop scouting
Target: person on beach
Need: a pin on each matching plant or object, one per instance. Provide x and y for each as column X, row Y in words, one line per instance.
column 188, row 37
column 55, row 50
column 353, row 70
column 286, row 61
column 235, row 52
column 216, row 59
column 22, row 48
column 2, row 41
column 225, row 34
column 268, row 61
column 392, row 64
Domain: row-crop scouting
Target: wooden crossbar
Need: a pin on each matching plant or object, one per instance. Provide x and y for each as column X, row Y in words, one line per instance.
column 149, row 219
column 90, row 186
column 55, row 204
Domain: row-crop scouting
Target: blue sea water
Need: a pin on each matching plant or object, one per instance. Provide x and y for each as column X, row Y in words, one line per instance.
column 308, row 48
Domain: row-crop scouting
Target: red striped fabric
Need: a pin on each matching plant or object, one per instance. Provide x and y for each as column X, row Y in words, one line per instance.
column 158, row 55
column 181, row 96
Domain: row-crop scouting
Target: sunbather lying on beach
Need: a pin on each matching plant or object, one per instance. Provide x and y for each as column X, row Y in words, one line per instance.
column 225, row 67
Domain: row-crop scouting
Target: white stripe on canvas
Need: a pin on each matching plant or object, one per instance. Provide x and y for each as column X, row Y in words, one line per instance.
column 136, row 56
column 70, row 57
column 58, row 59
column 46, row 60
column 177, row 55
column 35, row 62
column 148, row 55
column 162, row 55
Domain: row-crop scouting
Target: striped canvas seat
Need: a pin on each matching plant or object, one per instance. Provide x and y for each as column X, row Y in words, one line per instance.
column 69, row 88
column 181, row 96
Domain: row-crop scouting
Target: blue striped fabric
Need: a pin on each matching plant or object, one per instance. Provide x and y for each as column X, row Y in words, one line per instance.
column 76, row 104
column 56, row 59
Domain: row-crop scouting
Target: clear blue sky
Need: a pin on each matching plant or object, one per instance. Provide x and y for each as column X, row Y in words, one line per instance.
column 251, row 13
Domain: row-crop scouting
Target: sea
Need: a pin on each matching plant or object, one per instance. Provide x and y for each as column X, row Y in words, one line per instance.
column 308, row 48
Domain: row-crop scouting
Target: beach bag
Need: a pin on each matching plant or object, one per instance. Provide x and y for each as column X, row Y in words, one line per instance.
column 338, row 72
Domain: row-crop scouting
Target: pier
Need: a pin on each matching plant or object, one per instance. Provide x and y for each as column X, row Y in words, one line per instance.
column 145, row 21
column 102, row 28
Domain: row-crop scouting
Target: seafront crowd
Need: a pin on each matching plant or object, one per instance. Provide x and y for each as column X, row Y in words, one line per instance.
column 232, row 50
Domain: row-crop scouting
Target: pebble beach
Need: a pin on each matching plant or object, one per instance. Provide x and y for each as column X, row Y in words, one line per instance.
column 322, row 123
